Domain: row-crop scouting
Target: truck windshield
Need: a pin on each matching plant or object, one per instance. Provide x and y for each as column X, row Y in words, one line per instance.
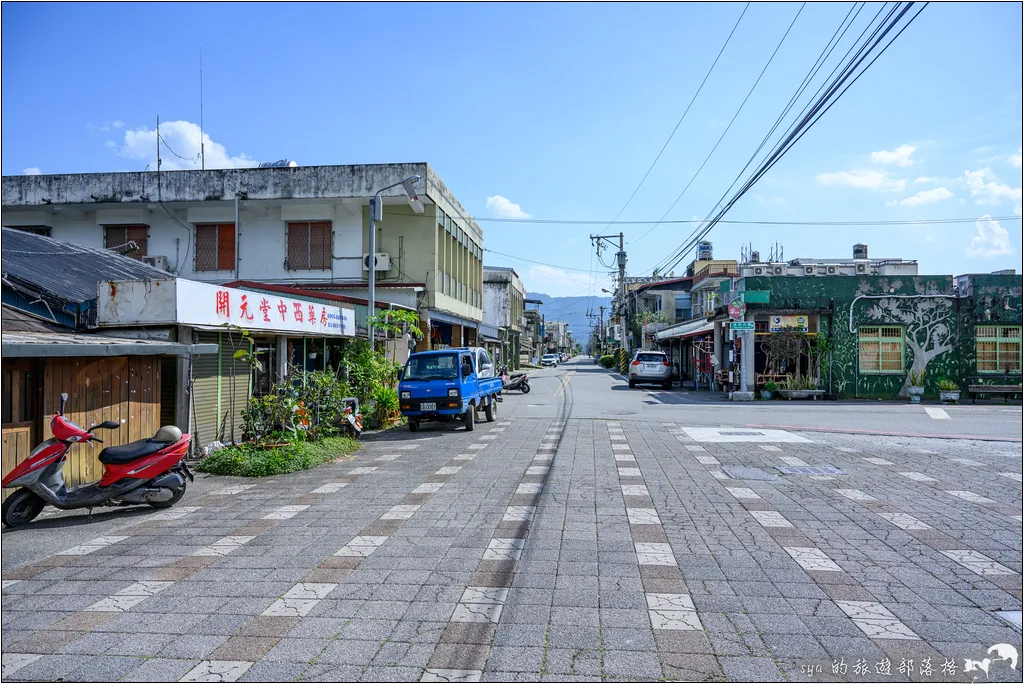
column 432, row 367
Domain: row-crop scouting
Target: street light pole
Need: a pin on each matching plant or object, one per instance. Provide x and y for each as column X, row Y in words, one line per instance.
column 377, row 214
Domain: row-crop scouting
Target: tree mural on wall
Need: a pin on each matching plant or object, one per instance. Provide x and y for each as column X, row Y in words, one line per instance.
column 930, row 327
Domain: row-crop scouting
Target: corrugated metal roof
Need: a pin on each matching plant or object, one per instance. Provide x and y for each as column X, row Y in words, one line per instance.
column 15, row 320
column 38, row 344
column 64, row 270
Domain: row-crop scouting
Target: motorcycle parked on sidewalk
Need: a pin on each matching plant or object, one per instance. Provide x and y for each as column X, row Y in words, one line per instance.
column 351, row 420
column 147, row 471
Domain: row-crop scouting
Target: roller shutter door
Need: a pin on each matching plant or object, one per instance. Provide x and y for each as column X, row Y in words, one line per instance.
column 204, row 393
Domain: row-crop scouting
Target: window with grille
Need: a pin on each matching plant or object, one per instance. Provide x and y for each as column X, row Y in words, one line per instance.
column 309, row 246
column 127, row 240
column 881, row 350
column 215, row 246
column 997, row 348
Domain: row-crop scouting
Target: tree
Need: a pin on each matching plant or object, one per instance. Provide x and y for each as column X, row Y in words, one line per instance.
column 929, row 327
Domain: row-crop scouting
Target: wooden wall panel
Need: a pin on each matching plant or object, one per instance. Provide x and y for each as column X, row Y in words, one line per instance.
column 124, row 389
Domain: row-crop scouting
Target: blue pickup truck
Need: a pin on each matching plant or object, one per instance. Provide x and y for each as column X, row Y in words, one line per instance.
column 449, row 384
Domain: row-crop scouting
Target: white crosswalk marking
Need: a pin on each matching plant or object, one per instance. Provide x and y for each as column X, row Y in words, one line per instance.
column 936, row 413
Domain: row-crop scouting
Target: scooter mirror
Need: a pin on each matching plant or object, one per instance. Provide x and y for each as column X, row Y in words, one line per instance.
column 63, row 401
column 109, row 425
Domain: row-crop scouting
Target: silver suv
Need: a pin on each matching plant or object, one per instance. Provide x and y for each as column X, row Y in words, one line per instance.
column 650, row 366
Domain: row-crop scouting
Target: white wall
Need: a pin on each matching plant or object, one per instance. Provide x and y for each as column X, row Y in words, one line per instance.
column 262, row 242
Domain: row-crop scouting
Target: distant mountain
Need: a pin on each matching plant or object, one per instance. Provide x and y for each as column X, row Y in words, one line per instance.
column 572, row 310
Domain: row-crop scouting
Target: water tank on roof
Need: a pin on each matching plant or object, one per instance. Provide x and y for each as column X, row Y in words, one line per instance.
column 704, row 250
column 279, row 164
column 860, row 251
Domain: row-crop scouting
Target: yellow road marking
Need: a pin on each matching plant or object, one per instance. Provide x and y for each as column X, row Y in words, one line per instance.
column 565, row 383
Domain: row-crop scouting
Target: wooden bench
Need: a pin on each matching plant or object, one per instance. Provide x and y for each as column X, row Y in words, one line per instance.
column 1006, row 390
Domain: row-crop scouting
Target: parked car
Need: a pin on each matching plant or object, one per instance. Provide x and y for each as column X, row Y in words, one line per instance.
column 549, row 360
column 650, row 367
column 449, row 384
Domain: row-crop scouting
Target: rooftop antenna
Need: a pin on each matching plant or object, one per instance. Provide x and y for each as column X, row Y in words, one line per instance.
column 202, row 141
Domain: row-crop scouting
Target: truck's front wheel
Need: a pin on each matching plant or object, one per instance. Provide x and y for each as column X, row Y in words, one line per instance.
column 470, row 417
column 491, row 410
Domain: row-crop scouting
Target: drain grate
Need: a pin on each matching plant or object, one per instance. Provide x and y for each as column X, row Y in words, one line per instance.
column 745, row 473
column 810, row 470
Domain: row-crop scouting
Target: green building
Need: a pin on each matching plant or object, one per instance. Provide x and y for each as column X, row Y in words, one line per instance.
column 880, row 329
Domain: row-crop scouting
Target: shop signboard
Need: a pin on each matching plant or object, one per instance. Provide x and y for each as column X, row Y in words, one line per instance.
column 178, row 301
column 787, row 324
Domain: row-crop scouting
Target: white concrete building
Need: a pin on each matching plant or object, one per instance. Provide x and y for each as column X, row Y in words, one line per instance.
column 305, row 227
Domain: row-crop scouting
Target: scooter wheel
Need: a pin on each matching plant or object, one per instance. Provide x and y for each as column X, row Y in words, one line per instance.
column 175, row 498
column 526, row 388
column 21, row 507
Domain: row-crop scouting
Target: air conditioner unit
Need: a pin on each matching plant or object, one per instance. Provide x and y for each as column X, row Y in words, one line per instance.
column 862, row 268
column 758, row 270
column 156, row 261
column 809, row 270
column 832, row 269
column 778, row 270
column 381, row 262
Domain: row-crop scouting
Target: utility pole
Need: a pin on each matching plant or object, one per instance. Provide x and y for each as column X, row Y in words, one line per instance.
column 600, row 327
column 621, row 306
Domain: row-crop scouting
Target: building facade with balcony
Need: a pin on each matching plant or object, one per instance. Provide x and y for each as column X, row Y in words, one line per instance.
column 304, row 227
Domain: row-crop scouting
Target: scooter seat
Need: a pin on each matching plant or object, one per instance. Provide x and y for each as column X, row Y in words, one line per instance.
column 126, row 453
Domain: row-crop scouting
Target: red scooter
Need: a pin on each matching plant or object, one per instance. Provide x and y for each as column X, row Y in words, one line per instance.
column 149, row 471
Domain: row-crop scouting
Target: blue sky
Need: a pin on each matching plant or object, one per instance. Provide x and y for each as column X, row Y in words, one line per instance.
column 555, row 111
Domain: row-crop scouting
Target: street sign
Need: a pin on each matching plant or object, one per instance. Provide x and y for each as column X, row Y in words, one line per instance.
column 737, row 309
column 756, row 296
column 741, row 325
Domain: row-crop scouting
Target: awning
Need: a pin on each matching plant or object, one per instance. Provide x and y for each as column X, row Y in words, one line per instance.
column 490, row 332
column 450, row 318
column 35, row 345
column 688, row 329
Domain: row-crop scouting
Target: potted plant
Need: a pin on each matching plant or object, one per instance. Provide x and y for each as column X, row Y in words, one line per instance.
column 949, row 391
column 770, row 388
column 916, row 388
column 800, row 387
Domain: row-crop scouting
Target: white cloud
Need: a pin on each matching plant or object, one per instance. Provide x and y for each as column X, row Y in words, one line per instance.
column 986, row 187
column 118, row 124
column 32, row 171
column 925, row 179
column 991, row 239
column 865, row 178
column 556, row 282
column 770, row 200
column 900, row 156
column 184, row 138
column 923, row 197
column 1014, row 159
column 505, row 208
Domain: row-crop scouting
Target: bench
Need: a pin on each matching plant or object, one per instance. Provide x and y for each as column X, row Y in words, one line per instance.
column 1007, row 390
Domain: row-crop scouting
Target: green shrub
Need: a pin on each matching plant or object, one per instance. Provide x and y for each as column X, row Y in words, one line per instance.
column 385, row 406
column 947, row 385
column 252, row 460
column 607, row 361
column 771, row 386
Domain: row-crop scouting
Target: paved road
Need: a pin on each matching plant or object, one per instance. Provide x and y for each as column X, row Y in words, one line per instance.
column 590, row 533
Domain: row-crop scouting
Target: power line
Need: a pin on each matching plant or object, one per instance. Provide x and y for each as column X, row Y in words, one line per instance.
column 820, row 106
column 879, row 222
column 685, row 112
column 729, row 126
